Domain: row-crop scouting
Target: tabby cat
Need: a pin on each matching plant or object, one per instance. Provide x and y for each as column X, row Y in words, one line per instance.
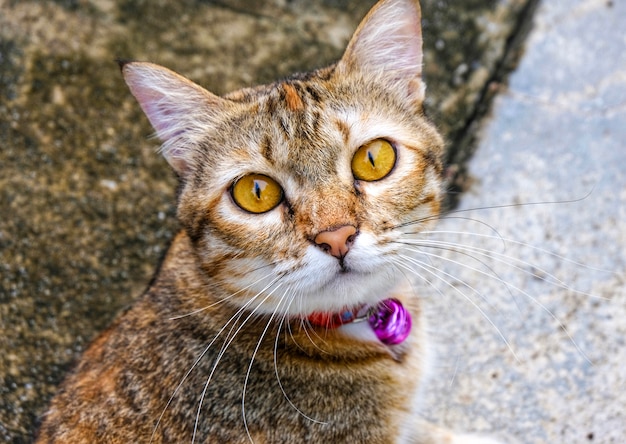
column 283, row 311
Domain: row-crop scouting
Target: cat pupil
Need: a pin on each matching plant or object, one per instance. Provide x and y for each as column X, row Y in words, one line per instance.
column 370, row 157
column 257, row 189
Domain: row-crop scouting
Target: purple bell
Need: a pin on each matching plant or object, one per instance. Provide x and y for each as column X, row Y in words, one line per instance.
column 390, row 321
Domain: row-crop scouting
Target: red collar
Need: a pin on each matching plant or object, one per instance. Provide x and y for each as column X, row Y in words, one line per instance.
column 389, row 320
column 335, row 320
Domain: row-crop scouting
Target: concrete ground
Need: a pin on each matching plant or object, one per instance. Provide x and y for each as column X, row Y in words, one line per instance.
column 532, row 325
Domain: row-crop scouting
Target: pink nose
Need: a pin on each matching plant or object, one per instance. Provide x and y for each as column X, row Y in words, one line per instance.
column 336, row 242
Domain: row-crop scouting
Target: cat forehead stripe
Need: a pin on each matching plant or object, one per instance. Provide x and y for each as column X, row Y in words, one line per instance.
column 293, row 99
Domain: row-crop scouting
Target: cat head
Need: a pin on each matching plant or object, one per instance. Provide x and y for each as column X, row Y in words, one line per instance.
column 297, row 195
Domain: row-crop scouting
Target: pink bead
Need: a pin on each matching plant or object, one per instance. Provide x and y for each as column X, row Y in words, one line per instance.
column 391, row 322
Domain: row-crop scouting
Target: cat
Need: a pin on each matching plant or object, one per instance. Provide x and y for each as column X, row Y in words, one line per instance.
column 283, row 311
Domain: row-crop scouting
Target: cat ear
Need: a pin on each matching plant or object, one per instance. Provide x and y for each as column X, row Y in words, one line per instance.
column 388, row 45
column 179, row 110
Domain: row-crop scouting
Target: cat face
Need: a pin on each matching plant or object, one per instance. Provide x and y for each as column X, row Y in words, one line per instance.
column 297, row 195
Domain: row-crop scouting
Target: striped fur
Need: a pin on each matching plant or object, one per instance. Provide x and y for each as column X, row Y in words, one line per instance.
column 216, row 350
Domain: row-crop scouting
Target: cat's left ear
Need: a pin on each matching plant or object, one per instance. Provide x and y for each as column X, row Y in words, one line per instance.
column 388, row 45
column 180, row 111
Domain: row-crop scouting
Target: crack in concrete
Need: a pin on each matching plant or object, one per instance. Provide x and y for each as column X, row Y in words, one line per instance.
column 464, row 142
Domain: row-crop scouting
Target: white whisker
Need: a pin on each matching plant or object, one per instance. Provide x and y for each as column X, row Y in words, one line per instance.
column 456, row 370
column 523, row 292
column 513, row 262
column 228, row 340
column 280, row 384
column 232, row 321
column 254, row 353
column 221, row 301
column 525, row 245
column 429, row 269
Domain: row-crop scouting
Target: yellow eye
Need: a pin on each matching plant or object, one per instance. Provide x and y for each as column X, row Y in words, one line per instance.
column 374, row 160
column 257, row 193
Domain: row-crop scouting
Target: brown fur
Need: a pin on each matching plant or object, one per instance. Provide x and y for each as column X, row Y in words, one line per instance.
column 133, row 368
column 294, row 102
column 219, row 344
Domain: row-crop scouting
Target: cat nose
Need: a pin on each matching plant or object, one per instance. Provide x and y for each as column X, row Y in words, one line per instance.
column 336, row 242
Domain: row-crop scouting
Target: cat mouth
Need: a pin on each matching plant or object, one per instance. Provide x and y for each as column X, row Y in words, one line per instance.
column 339, row 276
column 343, row 268
column 346, row 268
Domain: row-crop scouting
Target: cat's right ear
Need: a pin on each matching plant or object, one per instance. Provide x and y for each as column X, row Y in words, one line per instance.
column 179, row 110
column 388, row 46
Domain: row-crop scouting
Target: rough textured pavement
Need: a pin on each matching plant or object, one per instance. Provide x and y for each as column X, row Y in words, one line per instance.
column 557, row 134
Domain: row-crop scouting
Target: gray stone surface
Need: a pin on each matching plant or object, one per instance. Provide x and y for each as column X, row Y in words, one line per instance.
column 86, row 205
column 544, row 361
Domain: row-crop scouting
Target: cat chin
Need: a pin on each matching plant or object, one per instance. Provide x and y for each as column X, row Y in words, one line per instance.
column 345, row 291
column 323, row 285
column 318, row 282
column 303, row 292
